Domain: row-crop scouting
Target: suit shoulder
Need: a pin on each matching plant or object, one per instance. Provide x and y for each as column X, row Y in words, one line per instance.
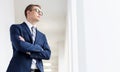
column 41, row 33
column 14, row 25
column 17, row 25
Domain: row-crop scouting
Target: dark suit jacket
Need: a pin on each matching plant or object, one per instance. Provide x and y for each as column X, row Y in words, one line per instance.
column 21, row 62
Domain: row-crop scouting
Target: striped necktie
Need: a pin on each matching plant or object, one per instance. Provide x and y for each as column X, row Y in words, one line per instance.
column 33, row 33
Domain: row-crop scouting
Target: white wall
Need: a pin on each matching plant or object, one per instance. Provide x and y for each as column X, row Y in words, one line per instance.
column 73, row 65
column 81, row 36
column 101, row 29
column 61, row 57
column 6, row 19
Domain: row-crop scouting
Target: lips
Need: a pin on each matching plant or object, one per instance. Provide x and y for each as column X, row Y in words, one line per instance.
column 38, row 16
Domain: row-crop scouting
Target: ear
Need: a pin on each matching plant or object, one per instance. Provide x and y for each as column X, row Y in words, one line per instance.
column 28, row 12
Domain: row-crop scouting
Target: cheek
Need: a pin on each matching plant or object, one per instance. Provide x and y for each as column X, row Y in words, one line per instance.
column 34, row 15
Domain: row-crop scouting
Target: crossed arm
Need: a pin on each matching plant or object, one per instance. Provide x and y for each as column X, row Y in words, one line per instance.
column 34, row 50
column 22, row 39
column 44, row 54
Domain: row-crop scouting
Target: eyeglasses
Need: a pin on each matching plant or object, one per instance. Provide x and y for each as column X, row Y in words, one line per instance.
column 38, row 11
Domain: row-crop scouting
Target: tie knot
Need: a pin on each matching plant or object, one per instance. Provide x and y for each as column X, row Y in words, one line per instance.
column 33, row 28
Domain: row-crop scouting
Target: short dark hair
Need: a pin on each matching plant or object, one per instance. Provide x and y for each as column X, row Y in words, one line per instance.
column 29, row 7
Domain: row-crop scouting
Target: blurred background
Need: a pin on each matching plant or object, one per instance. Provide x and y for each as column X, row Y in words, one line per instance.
column 52, row 24
column 84, row 35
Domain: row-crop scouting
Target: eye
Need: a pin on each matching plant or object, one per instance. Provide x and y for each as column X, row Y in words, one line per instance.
column 38, row 11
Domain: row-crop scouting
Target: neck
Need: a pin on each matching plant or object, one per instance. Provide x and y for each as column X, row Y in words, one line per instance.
column 31, row 21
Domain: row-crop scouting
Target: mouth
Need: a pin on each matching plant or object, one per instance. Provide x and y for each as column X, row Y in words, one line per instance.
column 38, row 16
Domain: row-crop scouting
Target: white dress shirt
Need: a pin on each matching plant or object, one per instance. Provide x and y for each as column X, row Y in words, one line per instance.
column 33, row 66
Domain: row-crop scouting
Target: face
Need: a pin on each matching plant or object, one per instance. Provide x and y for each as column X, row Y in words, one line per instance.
column 35, row 14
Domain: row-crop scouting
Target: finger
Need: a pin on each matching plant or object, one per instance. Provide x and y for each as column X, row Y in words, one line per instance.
column 20, row 37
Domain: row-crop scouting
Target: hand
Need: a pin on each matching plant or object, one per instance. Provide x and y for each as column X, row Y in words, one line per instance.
column 21, row 38
column 28, row 53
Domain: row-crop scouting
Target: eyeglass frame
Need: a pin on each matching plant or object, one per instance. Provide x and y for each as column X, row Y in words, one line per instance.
column 38, row 11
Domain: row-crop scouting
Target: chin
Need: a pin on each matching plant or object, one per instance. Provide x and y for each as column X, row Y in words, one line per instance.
column 37, row 20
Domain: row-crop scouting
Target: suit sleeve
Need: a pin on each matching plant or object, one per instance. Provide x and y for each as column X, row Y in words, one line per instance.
column 45, row 53
column 21, row 45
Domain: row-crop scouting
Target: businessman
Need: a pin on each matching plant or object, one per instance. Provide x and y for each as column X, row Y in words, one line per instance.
column 29, row 45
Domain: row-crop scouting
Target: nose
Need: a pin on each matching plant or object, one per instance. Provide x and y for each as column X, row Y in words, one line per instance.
column 41, row 13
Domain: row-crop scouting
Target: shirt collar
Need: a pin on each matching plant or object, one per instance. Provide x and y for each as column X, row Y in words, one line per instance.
column 29, row 24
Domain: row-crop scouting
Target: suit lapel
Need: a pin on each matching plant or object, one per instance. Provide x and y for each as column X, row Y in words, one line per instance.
column 29, row 33
column 27, row 29
column 36, row 38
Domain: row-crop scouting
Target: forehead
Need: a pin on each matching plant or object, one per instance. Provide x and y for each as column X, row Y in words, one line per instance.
column 36, row 7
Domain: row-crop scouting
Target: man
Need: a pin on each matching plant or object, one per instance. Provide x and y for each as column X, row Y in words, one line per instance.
column 29, row 45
